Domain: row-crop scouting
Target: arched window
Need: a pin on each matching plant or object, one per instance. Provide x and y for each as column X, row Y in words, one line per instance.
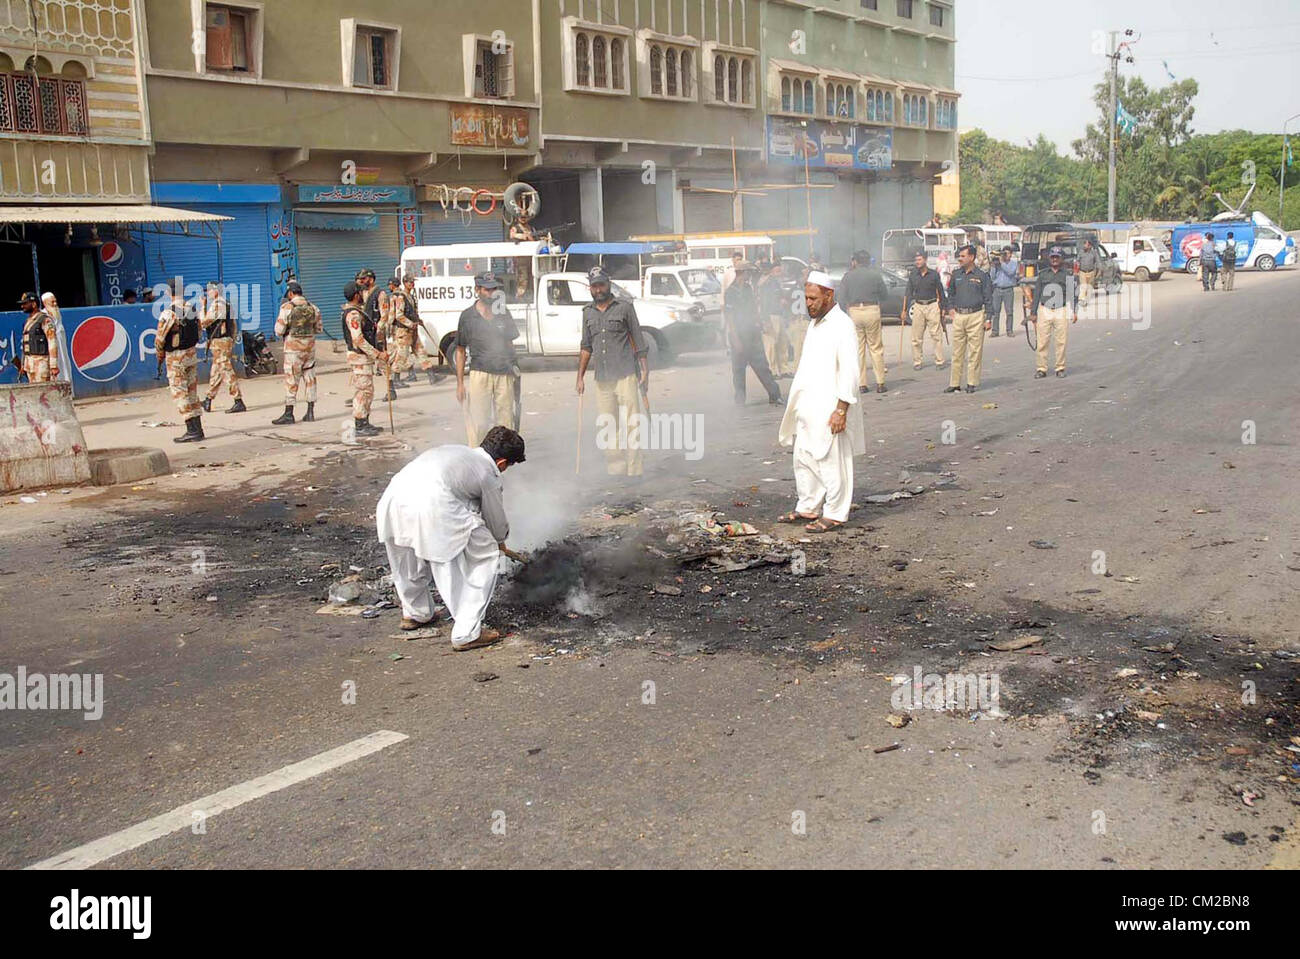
column 670, row 59
column 720, row 78
column 925, row 109
column 907, row 108
column 656, row 70
column 733, row 80
column 616, row 63
column 786, row 104
column 583, row 56
column 889, row 107
column 600, row 62
column 688, row 74
column 746, row 82
column 809, row 103
column 852, row 96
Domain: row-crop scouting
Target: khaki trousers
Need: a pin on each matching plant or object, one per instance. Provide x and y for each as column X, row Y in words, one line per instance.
column 1229, row 276
column 967, row 348
column 776, row 345
column 1086, row 280
column 866, row 319
column 1051, row 322
column 493, row 401
column 797, row 331
column 926, row 319
column 618, row 401
column 37, row 369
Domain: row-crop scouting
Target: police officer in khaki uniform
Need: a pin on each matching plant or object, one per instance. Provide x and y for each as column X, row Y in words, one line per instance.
column 361, row 334
column 40, row 342
column 485, row 341
column 406, row 312
column 220, row 328
column 861, row 293
column 1056, row 296
column 970, row 291
column 611, row 334
column 924, row 304
column 176, row 345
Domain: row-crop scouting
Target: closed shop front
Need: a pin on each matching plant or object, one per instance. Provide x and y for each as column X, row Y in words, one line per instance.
column 441, row 227
column 246, row 263
column 343, row 229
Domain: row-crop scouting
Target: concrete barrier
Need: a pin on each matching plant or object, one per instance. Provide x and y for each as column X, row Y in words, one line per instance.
column 129, row 465
column 41, row 443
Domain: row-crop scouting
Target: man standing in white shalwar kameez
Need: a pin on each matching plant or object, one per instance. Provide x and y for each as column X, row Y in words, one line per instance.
column 822, row 419
column 443, row 521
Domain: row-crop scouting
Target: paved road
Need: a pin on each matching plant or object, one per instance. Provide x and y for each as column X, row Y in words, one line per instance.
column 770, row 692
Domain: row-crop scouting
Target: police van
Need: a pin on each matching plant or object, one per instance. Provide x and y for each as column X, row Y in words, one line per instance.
column 545, row 300
column 1261, row 244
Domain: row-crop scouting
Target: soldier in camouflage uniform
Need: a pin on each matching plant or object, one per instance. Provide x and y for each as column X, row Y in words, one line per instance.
column 378, row 305
column 299, row 323
column 410, row 308
column 220, row 328
column 40, row 342
column 177, row 346
column 361, row 334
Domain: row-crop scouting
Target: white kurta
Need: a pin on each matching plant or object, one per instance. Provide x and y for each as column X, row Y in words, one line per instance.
column 441, row 519
column 828, row 373
column 65, row 360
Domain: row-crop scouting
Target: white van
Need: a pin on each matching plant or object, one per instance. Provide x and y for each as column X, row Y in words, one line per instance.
column 715, row 252
column 1141, row 257
column 545, row 301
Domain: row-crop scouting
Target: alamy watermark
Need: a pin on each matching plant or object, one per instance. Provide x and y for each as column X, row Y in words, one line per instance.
column 652, row 431
column 959, row 692
column 77, row 692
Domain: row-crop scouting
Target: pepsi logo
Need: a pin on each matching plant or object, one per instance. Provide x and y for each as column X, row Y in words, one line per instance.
column 1192, row 244
column 100, row 349
column 111, row 254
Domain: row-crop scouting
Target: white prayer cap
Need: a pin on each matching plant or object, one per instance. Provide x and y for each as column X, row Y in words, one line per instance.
column 47, row 297
column 818, row 278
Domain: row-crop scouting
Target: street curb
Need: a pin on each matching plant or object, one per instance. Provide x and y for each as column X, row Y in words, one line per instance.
column 110, row 467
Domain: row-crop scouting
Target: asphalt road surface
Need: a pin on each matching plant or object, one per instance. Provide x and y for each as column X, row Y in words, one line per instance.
column 668, row 713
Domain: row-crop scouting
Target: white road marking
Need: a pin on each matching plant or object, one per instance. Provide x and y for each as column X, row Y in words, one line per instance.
column 93, row 853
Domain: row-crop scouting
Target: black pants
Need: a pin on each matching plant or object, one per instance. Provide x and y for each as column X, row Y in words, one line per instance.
column 751, row 354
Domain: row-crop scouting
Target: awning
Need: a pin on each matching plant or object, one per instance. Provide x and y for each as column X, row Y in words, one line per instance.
column 132, row 214
column 793, row 66
column 354, row 218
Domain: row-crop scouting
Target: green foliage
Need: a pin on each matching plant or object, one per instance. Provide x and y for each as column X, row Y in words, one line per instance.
column 1164, row 170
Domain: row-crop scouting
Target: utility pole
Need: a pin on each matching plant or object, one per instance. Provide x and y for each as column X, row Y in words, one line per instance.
column 1281, row 177
column 1116, row 51
column 1114, row 110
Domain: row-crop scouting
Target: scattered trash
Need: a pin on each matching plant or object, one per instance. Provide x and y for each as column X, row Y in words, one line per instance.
column 664, row 590
column 395, row 657
column 1147, row 716
column 898, row 565
column 1015, row 643
column 212, row 599
column 990, row 406
column 1126, row 673
column 887, row 749
column 27, row 499
column 1236, row 838
column 484, row 677
column 898, row 722
column 343, row 592
column 1042, row 544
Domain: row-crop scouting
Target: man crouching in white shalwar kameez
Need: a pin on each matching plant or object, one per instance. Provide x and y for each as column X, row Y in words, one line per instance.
column 443, row 518
column 822, row 419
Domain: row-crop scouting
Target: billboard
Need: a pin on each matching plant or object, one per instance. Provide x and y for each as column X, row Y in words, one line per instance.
column 829, row 146
column 111, row 347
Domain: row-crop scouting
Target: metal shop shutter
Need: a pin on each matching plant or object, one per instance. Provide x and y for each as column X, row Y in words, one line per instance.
column 708, row 213
column 438, row 228
column 246, row 256
column 327, row 259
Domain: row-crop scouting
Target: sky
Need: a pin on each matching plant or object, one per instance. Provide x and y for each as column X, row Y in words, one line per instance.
column 1027, row 66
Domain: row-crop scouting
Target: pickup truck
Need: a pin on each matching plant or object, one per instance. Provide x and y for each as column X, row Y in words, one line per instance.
column 551, row 323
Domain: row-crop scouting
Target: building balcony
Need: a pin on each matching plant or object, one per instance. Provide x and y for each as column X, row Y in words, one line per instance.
column 68, row 170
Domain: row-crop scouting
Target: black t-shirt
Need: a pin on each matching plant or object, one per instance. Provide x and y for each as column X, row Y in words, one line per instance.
column 490, row 343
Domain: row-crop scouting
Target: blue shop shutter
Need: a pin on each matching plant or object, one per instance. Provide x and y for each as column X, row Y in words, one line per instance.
column 246, row 254
column 327, row 259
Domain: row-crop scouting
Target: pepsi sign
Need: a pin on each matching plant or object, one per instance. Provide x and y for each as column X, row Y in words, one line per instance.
column 101, row 349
